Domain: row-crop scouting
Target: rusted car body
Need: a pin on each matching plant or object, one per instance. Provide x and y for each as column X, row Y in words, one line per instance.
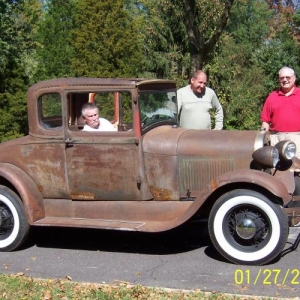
column 150, row 175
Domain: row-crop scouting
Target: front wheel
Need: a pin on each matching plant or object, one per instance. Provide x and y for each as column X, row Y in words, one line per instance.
column 247, row 228
column 14, row 227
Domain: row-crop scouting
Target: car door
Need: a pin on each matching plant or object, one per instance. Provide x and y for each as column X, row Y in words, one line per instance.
column 103, row 165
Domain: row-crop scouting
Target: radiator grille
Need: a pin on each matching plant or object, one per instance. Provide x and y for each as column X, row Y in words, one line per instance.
column 196, row 173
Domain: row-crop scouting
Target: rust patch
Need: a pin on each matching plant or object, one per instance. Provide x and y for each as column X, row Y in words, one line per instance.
column 214, row 184
column 83, row 196
column 40, row 188
column 161, row 194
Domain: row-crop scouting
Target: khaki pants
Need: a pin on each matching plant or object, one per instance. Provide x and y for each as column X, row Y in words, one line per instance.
column 276, row 137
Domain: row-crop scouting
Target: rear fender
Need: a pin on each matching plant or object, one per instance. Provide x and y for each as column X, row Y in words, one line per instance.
column 27, row 189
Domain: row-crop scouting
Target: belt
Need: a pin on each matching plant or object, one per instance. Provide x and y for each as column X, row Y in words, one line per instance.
column 286, row 132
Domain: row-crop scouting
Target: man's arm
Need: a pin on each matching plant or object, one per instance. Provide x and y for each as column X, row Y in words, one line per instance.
column 219, row 115
column 179, row 100
column 265, row 116
column 179, row 103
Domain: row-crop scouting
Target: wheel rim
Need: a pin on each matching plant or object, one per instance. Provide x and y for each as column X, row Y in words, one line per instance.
column 6, row 221
column 247, row 228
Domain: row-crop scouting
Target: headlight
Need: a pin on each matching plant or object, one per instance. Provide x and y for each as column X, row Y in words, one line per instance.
column 286, row 149
column 267, row 156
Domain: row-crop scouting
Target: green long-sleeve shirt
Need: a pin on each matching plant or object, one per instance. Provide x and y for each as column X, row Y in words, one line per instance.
column 195, row 109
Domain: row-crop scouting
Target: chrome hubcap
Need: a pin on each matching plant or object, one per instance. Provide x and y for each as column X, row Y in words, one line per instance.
column 246, row 228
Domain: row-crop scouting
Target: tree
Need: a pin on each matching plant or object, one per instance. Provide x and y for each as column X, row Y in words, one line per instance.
column 8, row 38
column 105, row 40
column 204, row 21
column 55, row 51
column 13, row 109
column 165, row 47
column 240, row 82
column 182, row 29
column 29, row 16
column 13, row 81
column 244, row 67
column 284, row 11
column 275, row 54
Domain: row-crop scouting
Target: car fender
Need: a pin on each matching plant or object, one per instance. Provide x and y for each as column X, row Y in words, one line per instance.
column 26, row 188
column 253, row 177
column 267, row 181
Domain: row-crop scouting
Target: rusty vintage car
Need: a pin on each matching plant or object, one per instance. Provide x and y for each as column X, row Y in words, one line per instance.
column 150, row 175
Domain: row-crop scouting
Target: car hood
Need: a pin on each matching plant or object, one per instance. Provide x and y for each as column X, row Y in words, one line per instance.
column 175, row 141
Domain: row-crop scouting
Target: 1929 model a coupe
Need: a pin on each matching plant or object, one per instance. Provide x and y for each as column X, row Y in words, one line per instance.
column 150, row 175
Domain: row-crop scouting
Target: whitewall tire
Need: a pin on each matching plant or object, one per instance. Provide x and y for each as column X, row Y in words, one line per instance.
column 14, row 227
column 247, row 228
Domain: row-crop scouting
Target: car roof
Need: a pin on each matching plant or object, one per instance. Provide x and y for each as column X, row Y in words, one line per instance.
column 85, row 82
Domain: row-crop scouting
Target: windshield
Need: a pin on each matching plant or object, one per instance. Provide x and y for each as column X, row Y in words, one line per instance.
column 158, row 107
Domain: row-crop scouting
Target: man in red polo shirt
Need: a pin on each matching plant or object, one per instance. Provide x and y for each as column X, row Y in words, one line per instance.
column 281, row 112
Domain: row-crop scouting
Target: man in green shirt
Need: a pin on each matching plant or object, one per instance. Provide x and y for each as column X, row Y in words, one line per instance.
column 195, row 102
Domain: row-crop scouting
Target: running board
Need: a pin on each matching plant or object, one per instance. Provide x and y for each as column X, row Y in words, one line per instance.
column 90, row 223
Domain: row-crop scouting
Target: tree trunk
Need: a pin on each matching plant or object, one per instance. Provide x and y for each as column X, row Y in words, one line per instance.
column 199, row 45
column 196, row 61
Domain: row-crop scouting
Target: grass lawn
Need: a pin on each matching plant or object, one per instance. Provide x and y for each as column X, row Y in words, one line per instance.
column 20, row 287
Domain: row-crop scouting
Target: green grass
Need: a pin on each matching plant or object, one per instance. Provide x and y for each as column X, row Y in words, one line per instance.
column 20, row 287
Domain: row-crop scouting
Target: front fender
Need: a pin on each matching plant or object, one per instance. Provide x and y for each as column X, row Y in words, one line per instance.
column 26, row 188
column 267, row 181
column 254, row 177
column 259, row 178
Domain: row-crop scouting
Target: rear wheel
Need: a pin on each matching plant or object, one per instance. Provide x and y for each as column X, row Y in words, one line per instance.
column 247, row 228
column 14, row 227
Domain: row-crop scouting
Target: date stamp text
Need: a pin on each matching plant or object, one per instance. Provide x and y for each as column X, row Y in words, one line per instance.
column 267, row 276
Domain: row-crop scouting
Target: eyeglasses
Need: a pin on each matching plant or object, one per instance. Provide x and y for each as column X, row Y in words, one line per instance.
column 287, row 78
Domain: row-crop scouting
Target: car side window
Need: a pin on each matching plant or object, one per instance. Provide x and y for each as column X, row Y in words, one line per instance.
column 114, row 106
column 157, row 107
column 50, row 111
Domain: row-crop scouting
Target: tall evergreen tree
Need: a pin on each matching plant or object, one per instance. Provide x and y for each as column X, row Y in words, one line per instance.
column 29, row 17
column 165, row 45
column 54, row 36
column 105, row 40
column 13, row 81
column 8, row 38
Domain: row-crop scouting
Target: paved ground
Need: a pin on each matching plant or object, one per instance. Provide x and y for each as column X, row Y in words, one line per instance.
column 180, row 259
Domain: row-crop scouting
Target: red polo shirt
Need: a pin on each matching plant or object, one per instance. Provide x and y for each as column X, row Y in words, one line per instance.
column 281, row 112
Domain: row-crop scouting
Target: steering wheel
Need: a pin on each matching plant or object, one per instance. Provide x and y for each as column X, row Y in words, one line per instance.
column 154, row 118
